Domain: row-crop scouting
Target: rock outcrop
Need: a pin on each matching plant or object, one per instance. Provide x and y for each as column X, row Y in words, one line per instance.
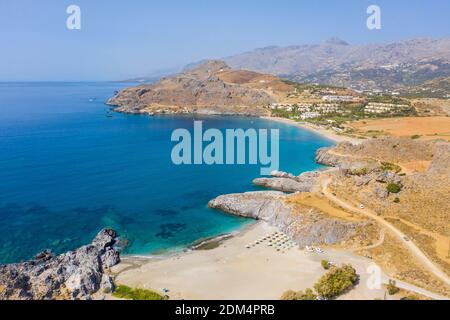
column 328, row 157
column 78, row 274
column 286, row 182
column 310, row 227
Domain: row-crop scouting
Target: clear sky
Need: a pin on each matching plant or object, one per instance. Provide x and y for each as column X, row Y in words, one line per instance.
column 121, row 39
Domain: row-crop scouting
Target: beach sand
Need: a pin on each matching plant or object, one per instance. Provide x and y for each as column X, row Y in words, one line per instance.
column 329, row 134
column 231, row 271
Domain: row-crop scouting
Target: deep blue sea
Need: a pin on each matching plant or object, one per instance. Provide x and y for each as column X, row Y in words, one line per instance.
column 67, row 171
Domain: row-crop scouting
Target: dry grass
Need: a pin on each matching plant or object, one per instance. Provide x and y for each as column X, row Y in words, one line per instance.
column 255, row 80
column 428, row 128
column 398, row 262
column 368, row 234
column 430, row 106
column 436, row 246
column 312, row 200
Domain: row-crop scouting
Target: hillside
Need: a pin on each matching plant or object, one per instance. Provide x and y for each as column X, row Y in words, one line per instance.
column 209, row 88
column 335, row 62
column 418, row 207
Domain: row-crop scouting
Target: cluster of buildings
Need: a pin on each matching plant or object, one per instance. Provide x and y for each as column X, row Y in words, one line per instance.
column 306, row 111
column 379, row 108
column 310, row 111
column 334, row 98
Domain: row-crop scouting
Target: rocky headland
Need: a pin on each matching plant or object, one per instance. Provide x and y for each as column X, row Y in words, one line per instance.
column 81, row 274
column 209, row 88
column 308, row 227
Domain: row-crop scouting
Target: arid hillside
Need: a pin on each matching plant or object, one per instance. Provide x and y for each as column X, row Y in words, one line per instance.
column 209, row 88
column 405, row 182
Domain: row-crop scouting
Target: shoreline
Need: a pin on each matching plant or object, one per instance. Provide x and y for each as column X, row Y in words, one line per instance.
column 234, row 271
column 328, row 134
column 220, row 238
column 197, row 245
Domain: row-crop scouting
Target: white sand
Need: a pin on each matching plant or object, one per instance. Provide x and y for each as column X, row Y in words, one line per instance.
column 329, row 134
column 233, row 272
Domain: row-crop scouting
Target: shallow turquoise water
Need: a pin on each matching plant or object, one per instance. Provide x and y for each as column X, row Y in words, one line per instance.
column 67, row 170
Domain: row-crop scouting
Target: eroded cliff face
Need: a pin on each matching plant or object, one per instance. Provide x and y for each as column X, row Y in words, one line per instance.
column 307, row 227
column 78, row 274
column 211, row 88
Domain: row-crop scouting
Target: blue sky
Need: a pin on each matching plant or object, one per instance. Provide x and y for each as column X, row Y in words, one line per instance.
column 121, row 39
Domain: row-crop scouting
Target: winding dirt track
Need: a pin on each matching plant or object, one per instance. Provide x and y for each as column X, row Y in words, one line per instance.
column 420, row 256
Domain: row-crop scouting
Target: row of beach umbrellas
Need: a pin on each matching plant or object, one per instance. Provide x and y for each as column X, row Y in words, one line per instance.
column 279, row 241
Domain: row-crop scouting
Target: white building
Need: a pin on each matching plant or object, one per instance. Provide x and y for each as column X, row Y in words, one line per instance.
column 378, row 108
column 310, row 115
column 338, row 98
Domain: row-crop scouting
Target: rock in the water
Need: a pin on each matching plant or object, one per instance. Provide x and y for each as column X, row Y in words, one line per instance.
column 73, row 275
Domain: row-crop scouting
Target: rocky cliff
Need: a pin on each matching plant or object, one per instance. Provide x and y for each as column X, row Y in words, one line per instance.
column 210, row 88
column 79, row 274
column 310, row 227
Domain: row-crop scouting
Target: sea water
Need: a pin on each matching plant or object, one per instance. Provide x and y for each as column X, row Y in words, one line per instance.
column 69, row 168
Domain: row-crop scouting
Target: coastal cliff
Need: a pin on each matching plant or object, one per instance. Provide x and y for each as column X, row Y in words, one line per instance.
column 308, row 227
column 209, row 88
column 79, row 274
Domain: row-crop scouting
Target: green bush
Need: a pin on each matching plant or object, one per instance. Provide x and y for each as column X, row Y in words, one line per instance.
column 387, row 166
column 336, row 281
column 397, row 200
column 325, row 264
column 392, row 288
column 393, row 188
column 125, row 292
column 300, row 295
column 416, row 136
column 359, row 172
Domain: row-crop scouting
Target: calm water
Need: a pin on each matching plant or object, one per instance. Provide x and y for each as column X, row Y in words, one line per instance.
column 67, row 170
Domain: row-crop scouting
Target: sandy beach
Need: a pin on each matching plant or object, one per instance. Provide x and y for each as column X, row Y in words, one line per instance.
column 329, row 134
column 232, row 271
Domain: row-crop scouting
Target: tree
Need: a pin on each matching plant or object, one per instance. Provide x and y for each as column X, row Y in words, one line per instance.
column 336, row 281
column 300, row 295
column 393, row 188
column 325, row 264
column 392, row 288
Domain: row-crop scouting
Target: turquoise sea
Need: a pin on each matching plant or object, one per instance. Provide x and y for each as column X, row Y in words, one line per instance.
column 67, row 171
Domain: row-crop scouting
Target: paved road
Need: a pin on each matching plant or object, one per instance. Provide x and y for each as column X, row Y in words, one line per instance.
column 426, row 262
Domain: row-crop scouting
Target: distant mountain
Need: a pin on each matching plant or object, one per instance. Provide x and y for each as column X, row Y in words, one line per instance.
column 336, row 62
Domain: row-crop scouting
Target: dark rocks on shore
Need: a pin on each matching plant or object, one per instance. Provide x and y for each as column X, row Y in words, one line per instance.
column 77, row 274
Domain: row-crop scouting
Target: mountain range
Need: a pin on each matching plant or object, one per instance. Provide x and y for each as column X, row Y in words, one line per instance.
column 370, row 66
